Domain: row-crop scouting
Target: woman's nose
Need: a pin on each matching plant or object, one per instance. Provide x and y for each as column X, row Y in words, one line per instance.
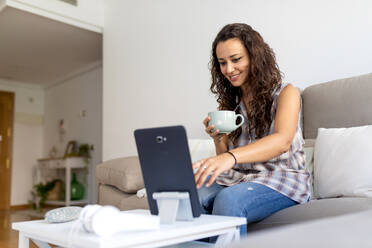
column 229, row 68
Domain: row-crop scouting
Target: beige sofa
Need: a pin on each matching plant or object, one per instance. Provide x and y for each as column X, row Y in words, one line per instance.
column 339, row 103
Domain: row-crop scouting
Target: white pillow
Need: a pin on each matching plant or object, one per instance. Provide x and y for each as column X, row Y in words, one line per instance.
column 343, row 162
column 201, row 148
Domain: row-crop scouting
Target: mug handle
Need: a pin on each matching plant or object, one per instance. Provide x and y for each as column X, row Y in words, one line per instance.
column 242, row 118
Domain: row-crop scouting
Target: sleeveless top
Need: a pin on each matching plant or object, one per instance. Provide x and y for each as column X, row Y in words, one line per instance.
column 285, row 173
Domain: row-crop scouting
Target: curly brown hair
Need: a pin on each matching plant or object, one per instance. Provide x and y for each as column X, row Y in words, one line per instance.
column 263, row 80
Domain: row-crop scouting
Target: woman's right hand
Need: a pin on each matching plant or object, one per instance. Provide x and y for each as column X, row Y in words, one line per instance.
column 216, row 135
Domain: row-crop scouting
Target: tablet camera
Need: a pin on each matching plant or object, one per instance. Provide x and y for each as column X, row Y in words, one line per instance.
column 160, row 139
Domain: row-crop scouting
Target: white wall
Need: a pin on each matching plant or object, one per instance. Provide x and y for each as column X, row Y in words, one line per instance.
column 156, row 55
column 28, row 137
column 66, row 101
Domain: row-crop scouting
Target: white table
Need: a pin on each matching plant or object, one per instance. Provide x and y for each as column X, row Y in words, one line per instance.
column 42, row 232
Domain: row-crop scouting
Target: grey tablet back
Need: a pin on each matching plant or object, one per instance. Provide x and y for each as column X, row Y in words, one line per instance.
column 166, row 164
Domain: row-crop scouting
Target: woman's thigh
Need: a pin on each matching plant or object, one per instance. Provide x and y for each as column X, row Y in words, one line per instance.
column 251, row 200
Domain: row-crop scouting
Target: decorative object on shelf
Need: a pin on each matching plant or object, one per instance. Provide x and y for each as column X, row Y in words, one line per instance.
column 62, row 129
column 64, row 214
column 62, row 196
column 53, row 152
column 77, row 189
column 84, row 151
column 40, row 194
column 71, row 149
column 55, row 193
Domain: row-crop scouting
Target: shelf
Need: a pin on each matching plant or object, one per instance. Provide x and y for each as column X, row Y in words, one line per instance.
column 64, row 167
column 61, row 163
column 63, row 203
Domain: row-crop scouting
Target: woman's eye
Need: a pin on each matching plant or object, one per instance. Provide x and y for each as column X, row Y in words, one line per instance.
column 222, row 63
column 236, row 60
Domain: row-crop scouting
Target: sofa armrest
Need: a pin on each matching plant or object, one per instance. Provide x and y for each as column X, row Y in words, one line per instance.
column 122, row 173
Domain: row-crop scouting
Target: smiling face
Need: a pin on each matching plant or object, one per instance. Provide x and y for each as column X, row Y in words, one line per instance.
column 233, row 60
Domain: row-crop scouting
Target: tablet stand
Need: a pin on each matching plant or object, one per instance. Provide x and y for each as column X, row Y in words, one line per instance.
column 173, row 206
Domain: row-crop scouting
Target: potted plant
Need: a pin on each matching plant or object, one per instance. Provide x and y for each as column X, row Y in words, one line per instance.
column 40, row 194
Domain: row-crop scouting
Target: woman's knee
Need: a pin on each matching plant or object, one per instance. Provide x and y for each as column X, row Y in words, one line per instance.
column 207, row 195
column 227, row 203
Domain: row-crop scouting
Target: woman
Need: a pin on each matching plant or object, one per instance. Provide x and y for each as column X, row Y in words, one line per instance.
column 259, row 168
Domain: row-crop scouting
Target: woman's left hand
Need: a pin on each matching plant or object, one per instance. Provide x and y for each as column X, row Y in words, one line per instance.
column 213, row 166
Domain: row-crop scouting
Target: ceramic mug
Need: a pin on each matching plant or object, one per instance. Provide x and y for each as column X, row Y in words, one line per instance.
column 225, row 120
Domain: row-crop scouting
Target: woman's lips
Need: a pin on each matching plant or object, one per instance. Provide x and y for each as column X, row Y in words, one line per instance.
column 234, row 78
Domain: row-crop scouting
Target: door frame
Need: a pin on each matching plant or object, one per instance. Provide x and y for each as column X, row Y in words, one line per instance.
column 7, row 145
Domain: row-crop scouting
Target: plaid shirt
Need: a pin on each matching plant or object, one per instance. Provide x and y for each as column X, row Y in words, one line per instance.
column 285, row 173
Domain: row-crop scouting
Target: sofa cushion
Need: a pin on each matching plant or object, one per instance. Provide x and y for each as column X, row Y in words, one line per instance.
column 133, row 202
column 342, row 162
column 335, row 104
column 315, row 209
column 123, row 173
column 109, row 195
column 309, row 163
column 201, row 148
column 350, row 230
column 309, row 143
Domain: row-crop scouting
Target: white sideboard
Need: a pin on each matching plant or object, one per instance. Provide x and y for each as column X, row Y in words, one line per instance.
column 48, row 169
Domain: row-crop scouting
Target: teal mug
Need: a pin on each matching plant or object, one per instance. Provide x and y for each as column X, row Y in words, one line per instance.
column 225, row 120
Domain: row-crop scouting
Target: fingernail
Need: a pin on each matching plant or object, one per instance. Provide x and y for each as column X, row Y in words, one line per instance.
column 207, row 185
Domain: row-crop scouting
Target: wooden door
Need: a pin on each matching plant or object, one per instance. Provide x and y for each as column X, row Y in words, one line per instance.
column 6, row 143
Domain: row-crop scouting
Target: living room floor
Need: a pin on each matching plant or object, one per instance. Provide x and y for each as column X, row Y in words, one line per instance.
column 9, row 237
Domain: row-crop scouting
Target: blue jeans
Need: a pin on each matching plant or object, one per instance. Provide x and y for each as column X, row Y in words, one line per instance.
column 253, row 201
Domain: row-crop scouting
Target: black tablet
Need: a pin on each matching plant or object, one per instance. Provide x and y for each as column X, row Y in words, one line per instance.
column 166, row 164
